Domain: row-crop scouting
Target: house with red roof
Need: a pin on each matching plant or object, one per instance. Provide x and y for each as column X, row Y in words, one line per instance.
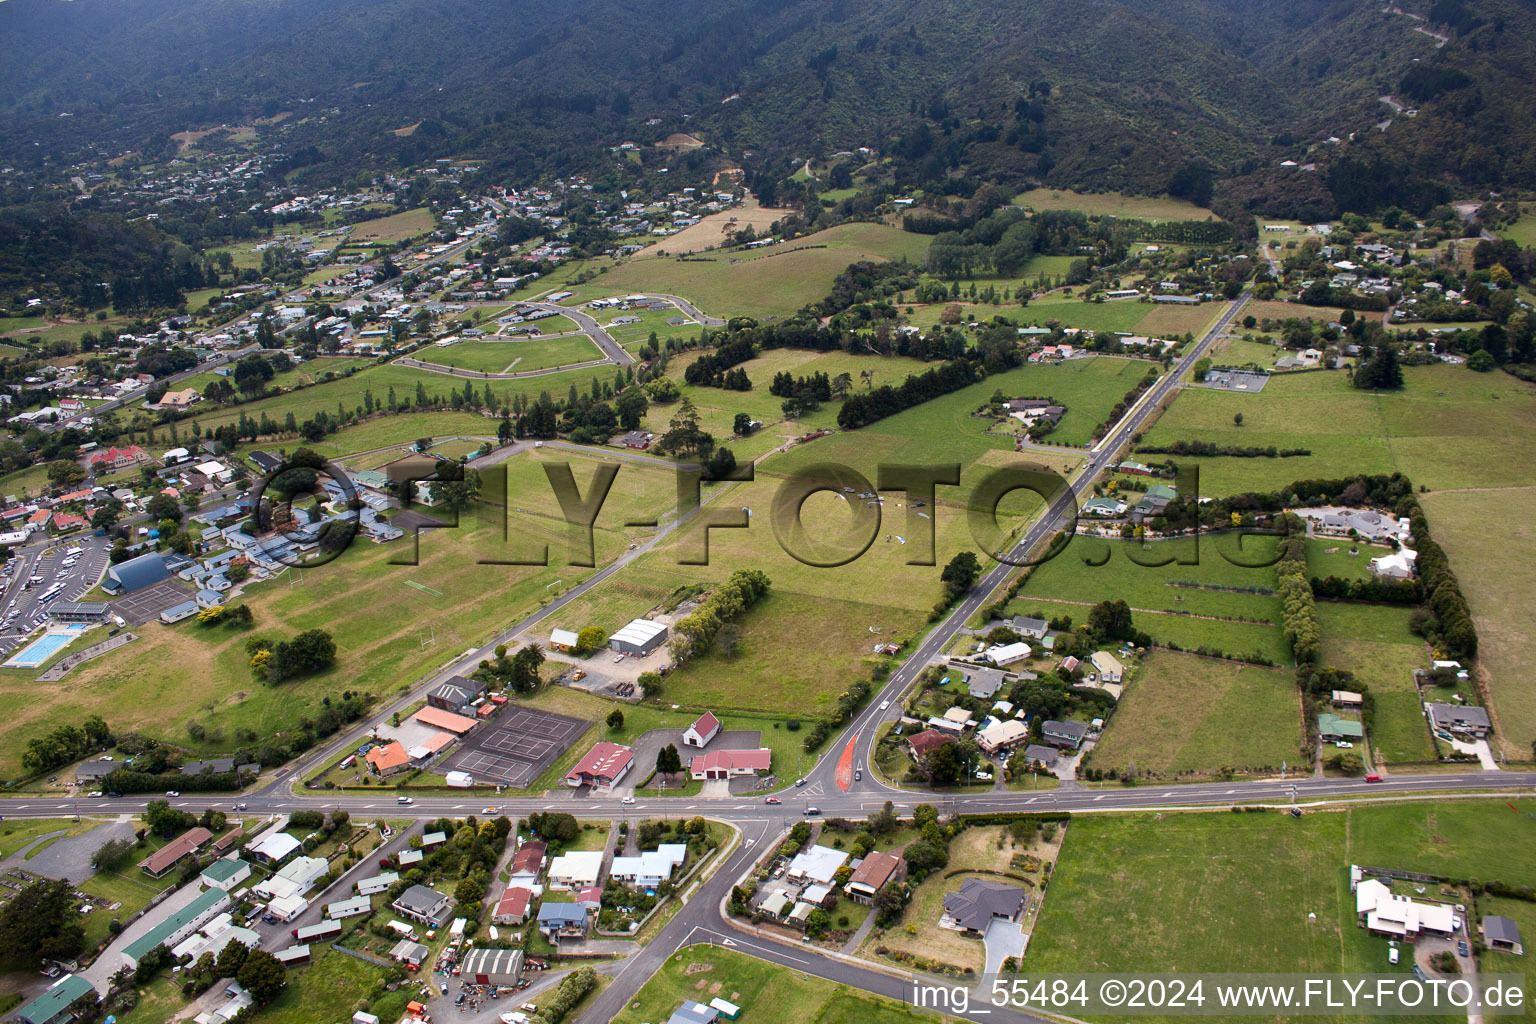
column 64, row 521
column 512, row 908
column 119, row 458
column 926, row 742
column 39, row 519
column 388, row 759
column 602, row 767
column 702, row 731
column 728, row 764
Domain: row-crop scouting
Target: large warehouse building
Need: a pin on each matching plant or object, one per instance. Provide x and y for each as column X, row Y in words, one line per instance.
column 639, row 638
column 492, row 966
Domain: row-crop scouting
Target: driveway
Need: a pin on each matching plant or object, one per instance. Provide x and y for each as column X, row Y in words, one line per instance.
column 648, row 745
column 107, row 964
column 1003, row 939
column 1480, row 750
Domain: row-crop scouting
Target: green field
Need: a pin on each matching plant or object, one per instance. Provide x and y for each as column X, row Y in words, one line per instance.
column 767, row 993
column 767, row 283
column 395, row 228
column 1236, row 892
column 1186, row 615
column 1373, row 642
column 1448, row 428
column 1114, row 203
column 513, row 356
column 1486, row 534
column 30, row 481
column 1182, row 715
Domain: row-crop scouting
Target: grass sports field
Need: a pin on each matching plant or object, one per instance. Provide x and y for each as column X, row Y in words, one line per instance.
column 1448, row 428
column 1115, row 203
column 513, row 356
column 768, row 281
column 1481, row 530
column 1236, row 892
column 1183, row 715
column 766, row 992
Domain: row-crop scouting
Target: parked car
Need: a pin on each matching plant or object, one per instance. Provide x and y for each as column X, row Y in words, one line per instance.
column 799, row 782
column 1463, row 948
column 1392, row 955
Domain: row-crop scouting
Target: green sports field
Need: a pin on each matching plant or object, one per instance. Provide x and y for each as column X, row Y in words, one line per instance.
column 513, row 356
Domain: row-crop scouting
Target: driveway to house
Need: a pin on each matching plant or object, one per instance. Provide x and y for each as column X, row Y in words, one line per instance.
column 648, row 745
column 1003, row 939
column 1479, row 748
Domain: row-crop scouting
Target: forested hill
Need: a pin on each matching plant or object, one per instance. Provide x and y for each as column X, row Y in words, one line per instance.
column 1209, row 94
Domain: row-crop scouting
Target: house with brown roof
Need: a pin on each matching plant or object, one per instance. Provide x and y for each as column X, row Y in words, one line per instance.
column 157, row 864
column 528, row 863
column 512, row 908
column 876, row 869
column 927, row 741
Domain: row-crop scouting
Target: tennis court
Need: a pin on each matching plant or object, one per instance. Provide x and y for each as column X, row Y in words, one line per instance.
column 520, row 745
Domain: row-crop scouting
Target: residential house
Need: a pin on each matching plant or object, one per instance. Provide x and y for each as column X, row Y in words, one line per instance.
column 1001, row 734
column 512, row 908
column 1030, row 629
column 1462, row 721
column 1106, row 667
column 818, row 864
column 1399, row 565
column 1332, row 728
column 983, row 683
column 456, row 695
column 561, row 921
column 422, row 904
column 1006, row 654
column 1047, row 757
column 651, row 867
column 1066, row 735
column 528, row 863
column 388, row 759
column 576, row 870
column 973, row 909
column 926, row 742
column 876, row 869
column 640, row 439
column 159, row 863
column 1386, row 913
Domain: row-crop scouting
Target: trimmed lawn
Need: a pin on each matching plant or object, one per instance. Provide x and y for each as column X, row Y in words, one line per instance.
column 1373, row 642
column 18, row 832
column 1185, row 715
column 31, row 481
column 133, row 890
column 1484, row 533
column 767, row 993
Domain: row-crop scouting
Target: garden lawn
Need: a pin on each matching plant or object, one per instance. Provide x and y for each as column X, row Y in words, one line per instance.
column 1488, row 536
column 1183, row 714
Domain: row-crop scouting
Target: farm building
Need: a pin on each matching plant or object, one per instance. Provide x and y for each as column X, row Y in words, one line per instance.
column 639, row 638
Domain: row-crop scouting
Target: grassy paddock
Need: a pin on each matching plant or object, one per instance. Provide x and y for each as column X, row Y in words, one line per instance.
column 1185, row 715
column 395, row 228
column 1115, row 203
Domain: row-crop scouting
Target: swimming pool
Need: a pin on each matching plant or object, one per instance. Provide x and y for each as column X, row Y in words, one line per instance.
column 46, row 646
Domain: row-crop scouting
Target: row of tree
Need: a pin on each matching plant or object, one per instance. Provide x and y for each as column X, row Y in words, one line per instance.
column 696, row 633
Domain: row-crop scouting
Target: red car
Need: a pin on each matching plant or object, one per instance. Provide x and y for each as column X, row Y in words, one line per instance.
column 772, row 800
column 1373, row 778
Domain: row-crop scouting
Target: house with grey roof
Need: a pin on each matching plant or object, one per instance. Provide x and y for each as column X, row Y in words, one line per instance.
column 1067, row 735
column 1463, row 721
column 1028, row 628
column 979, row 903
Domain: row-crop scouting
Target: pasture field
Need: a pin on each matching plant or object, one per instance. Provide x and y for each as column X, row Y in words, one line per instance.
column 513, row 356
column 1487, row 534
column 1234, row 622
column 1224, row 892
column 348, row 392
column 651, row 321
column 764, row 282
column 1523, row 230
column 30, row 481
column 394, row 228
column 1182, row 715
column 1448, row 428
column 1237, row 352
column 383, row 431
column 766, row 992
column 1165, row 320
column 306, row 373
column 375, row 610
column 1275, row 310
column 1373, row 642
column 1115, row 203
column 710, row 231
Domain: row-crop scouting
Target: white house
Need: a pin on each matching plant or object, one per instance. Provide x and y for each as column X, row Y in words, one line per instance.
column 576, row 870
column 651, row 868
column 1398, row 565
column 1006, row 654
column 1107, row 666
column 706, row 728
